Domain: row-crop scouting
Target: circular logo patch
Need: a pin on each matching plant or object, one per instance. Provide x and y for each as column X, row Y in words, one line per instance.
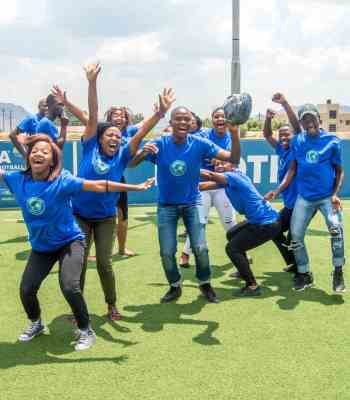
column 35, row 206
column 312, row 157
column 178, row 168
column 101, row 167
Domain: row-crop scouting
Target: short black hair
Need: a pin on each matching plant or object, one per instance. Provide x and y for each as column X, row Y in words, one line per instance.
column 176, row 109
column 216, row 110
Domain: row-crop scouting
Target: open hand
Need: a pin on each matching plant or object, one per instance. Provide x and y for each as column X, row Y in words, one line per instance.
column 150, row 148
column 147, row 184
column 92, row 71
column 336, row 203
column 166, row 100
column 60, row 94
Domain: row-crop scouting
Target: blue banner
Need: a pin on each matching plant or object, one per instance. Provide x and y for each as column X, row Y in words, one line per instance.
column 258, row 160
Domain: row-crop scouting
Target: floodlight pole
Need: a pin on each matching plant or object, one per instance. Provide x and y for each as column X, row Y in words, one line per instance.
column 236, row 63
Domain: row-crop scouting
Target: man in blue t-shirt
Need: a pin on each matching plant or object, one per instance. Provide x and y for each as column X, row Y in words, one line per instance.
column 179, row 157
column 316, row 161
column 27, row 126
column 289, row 195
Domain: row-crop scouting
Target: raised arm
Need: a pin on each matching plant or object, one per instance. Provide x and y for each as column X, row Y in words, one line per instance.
column 15, row 136
column 268, row 134
column 92, row 72
column 213, row 180
column 63, row 131
column 75, row 110
column 284, row 184
column 293, row 119
column 234, row 155
column 103, row 186
column 165, row 102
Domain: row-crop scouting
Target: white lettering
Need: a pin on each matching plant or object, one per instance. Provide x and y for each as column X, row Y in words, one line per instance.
column 4, row 157
column 274, row 169
column 257, row 161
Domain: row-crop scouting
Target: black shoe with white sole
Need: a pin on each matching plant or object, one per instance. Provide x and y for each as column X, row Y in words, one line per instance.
column 303, row 281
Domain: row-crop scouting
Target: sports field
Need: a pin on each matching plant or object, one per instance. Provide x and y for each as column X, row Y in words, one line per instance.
column 284, row 345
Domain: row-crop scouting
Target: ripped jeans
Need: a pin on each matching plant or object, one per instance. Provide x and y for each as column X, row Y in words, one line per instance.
column 168, row 216
column 302, row 215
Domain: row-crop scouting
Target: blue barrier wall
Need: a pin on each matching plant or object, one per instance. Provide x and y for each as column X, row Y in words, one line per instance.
column 258, row 161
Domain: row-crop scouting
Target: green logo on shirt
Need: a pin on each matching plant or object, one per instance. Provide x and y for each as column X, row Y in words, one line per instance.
column 101, row 167
column 35, row 206
column 312, row 157
column 178, row 168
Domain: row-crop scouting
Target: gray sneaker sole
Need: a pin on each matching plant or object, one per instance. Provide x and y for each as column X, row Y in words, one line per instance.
column 28, row 339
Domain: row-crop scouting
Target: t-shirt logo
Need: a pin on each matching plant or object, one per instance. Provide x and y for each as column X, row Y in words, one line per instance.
column 178, row 168
column 101, row 167
column 35, row 206
column 282, row 163
column 312, row 157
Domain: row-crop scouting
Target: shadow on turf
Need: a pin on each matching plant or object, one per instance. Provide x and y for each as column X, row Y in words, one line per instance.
column 153, row 317
column 49, row 348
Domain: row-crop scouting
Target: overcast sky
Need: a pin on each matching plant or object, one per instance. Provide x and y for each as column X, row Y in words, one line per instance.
column 299, row 47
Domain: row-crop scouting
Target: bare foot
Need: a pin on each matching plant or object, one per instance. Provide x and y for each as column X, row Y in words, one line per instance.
column 126, row 253
column 92, row 258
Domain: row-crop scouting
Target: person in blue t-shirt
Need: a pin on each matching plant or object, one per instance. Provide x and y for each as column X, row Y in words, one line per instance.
column 28, row 126
column 214, row 198
column 261, row 225
column 317, row 164
column 104, row 156
column 179, row 157
column 289, row 196
column 44, row 193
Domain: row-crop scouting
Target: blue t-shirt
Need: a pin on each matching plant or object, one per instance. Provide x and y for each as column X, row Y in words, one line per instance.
column 178, row 167
column 247, row 200
column 47, row 208
column 46, row 126
column 223, row 141
column 29, row 124
column 316, row 157
column 96, row 166
column 202, row 132
column 128, row 133
column 290, row 194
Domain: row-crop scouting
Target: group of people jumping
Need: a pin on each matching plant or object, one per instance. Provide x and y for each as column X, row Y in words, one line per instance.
column 197, row 168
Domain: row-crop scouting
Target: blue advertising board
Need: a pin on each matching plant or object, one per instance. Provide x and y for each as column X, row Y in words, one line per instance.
column 258, row 160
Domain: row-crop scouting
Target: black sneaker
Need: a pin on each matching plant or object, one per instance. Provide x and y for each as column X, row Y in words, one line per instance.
column 208, row 293
column 303, row 281
column 293, row 269
column 338, row 281
column 172, row 294
column 35, row 328
column 247, row 291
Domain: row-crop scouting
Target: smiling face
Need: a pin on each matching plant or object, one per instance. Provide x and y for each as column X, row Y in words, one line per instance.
column 110, row 141
column 41, row 159
column 180, row 122
column 219, row 122
column 42, row 107
column 311, row 124
column 285, row 135
column 119, row 118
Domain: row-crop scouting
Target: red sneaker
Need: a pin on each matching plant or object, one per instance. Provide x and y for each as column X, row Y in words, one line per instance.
column 113, row 313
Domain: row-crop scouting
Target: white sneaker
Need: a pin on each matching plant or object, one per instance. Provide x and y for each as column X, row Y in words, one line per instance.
column 35, row 328
column 85, row 340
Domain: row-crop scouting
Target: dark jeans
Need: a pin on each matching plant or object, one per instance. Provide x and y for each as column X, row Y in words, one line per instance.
column 282, row 241
column 103, row 233
column 245, row 236
column 39, row 265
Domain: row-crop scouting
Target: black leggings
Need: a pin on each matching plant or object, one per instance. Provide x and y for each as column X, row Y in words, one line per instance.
column 245, row 236
column 282, row 241
column 39, row 265
column 122, row 203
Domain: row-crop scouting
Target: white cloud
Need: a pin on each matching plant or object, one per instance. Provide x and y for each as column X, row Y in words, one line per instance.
column 129, row 50
column 9, row 11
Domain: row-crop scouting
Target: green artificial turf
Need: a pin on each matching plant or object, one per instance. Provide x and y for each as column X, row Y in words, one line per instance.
column 284, row 345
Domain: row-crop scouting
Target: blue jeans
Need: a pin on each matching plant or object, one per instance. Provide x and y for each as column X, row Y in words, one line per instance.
column 302, row 215
column 168, row 217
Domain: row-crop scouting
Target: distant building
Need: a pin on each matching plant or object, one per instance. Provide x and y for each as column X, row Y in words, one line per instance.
column 334, row 117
